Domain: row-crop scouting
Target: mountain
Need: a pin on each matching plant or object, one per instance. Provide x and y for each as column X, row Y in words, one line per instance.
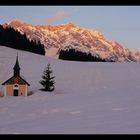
column 64, row 37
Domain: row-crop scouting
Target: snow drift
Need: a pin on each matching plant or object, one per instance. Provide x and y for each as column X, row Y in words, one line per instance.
column 90, row 98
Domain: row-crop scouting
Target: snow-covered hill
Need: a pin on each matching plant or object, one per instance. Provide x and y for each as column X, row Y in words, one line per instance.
column 90, row 97
column 70, row 36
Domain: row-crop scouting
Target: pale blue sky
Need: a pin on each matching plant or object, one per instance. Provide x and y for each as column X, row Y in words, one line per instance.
column 119, row 23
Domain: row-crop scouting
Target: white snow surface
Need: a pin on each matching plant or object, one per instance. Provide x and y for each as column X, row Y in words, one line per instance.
column 90, row 97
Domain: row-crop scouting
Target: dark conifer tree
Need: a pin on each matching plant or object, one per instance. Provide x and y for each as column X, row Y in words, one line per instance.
column 73, row 55
column 14, row 39
column 47, row 80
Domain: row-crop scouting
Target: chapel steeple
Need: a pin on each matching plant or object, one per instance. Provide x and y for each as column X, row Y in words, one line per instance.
column 16, row 68
column 16, row 85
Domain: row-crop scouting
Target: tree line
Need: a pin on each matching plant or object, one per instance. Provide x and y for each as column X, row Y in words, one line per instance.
column 9, row 37
column 73, row 55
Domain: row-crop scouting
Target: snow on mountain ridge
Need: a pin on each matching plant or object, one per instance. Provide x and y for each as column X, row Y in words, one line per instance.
column 70, row 36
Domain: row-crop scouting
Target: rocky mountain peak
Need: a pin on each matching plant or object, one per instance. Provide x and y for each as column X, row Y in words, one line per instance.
column 70, row 36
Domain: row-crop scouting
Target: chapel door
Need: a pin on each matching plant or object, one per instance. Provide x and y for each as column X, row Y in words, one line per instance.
column 15, row 92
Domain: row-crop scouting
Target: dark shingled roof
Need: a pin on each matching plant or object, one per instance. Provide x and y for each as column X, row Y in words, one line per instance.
column 16, row 77
column 20, row 80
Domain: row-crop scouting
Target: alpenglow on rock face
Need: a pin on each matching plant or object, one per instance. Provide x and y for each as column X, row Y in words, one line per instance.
column 69, row 36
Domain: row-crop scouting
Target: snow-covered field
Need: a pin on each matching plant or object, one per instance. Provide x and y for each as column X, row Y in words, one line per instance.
column 90, row 98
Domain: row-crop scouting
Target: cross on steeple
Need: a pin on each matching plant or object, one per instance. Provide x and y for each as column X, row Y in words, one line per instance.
column 16, row 68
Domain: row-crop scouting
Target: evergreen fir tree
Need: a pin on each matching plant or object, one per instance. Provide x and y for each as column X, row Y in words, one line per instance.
column 48, row 80
column 14, row 39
